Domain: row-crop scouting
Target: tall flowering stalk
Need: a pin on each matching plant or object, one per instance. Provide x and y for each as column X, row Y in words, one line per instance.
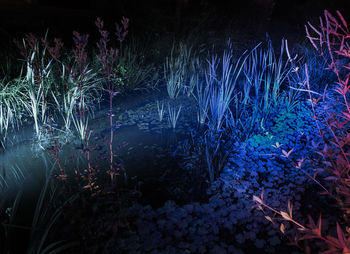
column 80, row 55
column 107, row 58
column 80, row 75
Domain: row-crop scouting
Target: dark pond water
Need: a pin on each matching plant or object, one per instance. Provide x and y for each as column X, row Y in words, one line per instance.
column 142, row 145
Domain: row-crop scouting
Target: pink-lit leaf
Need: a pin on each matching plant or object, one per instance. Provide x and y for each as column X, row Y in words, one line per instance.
column 269, row 219
column 341, row 237
column 257, row 199
column 341, row 90
column 88, row 186
column 342, row 19
column 315, row 30
column 285, row 215
column 290, row 209
column 334, row 241
column 330, row 16
column 319, row 226
column 282, row 228
column 301, row 229
column 310, row 38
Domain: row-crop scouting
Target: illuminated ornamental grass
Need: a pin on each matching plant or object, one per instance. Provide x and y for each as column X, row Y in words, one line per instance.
column 105, row 150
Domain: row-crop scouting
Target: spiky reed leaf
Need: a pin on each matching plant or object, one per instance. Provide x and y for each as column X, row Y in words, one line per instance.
column 173, row 115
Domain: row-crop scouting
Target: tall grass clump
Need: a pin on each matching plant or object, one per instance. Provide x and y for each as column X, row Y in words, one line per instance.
column 173, row 115
column 12, row 101
column 267, row 77
column 80, row 78
column 202, row 96
column 176, row 70
column 331, row 147
column 221, row 78
column 52, row 81
column 241, row 94
column 37, row 80
column 215, row 97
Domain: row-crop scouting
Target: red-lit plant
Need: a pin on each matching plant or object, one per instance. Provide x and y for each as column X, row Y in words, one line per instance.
column 55, row 151
column 332, row 40
column 80, row 55
column 107, row 58
column 80, row 74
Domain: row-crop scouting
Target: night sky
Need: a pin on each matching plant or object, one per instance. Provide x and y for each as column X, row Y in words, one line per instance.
column 64, row 16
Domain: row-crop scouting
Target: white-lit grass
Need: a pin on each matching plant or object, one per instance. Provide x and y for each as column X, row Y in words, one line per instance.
column 11, row 108
column 81, row 126
column 202, row 97
column 173, row 115
column 161, row 111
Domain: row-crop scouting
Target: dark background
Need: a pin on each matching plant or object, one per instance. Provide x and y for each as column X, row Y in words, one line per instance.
column 178, row 17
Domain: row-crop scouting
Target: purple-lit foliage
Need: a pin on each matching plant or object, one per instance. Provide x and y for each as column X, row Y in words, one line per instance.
column 332, row 36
